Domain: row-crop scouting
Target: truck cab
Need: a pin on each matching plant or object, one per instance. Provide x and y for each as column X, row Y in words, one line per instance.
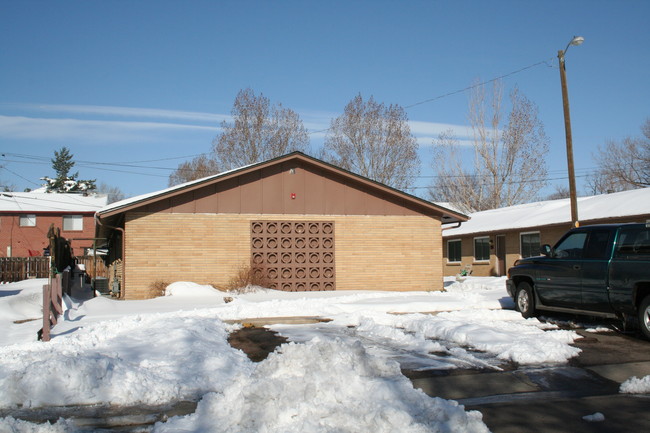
column 599, row 270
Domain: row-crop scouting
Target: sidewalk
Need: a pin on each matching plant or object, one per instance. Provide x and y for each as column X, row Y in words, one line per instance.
column 549, row 399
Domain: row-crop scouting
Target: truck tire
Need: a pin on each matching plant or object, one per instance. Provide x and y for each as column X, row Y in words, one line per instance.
column 644, row 317
column 525, row 300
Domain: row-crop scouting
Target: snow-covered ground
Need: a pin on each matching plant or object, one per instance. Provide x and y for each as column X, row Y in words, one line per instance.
column 343, row 375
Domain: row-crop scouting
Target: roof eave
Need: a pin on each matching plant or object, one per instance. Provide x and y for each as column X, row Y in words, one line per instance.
column 451, row 216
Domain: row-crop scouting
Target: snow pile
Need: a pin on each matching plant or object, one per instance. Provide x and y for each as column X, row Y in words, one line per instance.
column 634, row 385
column 324, row 386
column 188, row 289
column 21, row 301
column 20, row 304
column 10, row 424
column 502, row 334
column 595, row 417
column 115, row 362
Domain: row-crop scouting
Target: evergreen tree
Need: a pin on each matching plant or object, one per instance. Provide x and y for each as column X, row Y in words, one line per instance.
column 62, row 163
column 63, row 182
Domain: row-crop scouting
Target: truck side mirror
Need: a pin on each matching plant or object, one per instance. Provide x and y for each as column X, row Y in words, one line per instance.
column 547, row 250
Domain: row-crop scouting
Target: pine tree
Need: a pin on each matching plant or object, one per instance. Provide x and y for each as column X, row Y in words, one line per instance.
column 62, row 163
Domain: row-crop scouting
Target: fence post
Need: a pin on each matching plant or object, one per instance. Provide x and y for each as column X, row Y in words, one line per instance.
column 52, row 304
column 44, row 333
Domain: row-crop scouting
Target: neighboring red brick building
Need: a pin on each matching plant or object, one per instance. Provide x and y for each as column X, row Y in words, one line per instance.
column 25, row 218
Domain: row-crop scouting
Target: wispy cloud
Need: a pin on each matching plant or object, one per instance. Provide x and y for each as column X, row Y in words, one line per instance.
column 125, row 112
column 91, row 131
column 106, row 124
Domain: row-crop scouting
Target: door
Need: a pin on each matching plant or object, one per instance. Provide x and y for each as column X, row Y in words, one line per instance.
column 559, row 277
column 501, row 255
column 595, row 295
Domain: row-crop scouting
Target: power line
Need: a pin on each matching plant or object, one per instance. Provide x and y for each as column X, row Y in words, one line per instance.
column 480, row 84
column 543, row 62
column 505, row 183
column 94, row 164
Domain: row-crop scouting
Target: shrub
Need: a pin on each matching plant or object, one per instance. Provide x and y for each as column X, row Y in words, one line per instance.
column 246, row 277
column 157, row 288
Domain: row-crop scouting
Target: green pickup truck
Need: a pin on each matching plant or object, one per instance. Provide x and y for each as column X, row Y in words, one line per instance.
column 598, row 270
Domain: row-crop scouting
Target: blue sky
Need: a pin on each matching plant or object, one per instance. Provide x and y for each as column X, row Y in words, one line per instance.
column 133, row 88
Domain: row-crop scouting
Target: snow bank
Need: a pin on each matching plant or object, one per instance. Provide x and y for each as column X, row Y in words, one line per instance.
column 595, row 417
column 634, row 385
column 141, row 359
column 188, row 289
column 324, row 386
column 10, row 424
column 22, row 300
column 503, row 335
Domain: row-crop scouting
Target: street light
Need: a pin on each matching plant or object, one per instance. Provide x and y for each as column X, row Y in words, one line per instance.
column 577, row 40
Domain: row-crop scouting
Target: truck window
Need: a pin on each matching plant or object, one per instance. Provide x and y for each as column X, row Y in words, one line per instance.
column 633, row 242
column 597, row 244
column 571, row 247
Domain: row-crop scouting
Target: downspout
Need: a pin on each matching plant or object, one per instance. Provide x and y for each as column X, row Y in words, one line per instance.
column 121, row 230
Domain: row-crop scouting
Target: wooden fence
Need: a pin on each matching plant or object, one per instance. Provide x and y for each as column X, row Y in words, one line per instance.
column 90, row 263
column 53, row 303
column 14, row 269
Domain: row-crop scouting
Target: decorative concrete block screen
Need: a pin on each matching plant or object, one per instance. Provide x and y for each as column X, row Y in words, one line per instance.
column 294, row 255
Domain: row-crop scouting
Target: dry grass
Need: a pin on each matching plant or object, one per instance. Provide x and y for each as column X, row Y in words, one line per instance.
column 247, row 276
column 156, row 289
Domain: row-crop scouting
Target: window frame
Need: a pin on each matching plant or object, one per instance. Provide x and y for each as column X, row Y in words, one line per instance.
column 489, row 255
column 521, row 243
column 30, row 220
column 460, row 251
column 73, row 218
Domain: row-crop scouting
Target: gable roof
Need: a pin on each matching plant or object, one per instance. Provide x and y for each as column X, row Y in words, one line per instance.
column 447, row 215
column 39, row 202
column 531, row 215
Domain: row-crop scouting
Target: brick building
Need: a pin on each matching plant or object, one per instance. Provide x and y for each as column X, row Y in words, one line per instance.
column 306, row 224
column 25, row 218
column 491, row 241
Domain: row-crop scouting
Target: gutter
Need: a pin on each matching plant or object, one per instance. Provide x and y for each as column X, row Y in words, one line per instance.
column 121, row 230
column 458, row 224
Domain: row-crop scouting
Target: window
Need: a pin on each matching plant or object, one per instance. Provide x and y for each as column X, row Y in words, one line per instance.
column 634, row 243
column 530, row 244
column 453, row 250
column 596, row 247
column 73, row 223
column 28, row 220
column 482, row 249
column 571, row 247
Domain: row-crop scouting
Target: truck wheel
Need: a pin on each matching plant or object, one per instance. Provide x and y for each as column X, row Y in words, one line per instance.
column 644, row 317
column 525, row 301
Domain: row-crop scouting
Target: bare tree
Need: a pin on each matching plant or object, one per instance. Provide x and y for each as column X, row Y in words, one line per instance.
column 506, row 163
column 622, row 165
column 259, row 131
column 201, row 166
column 113, row 193
column 375, row 141
column 561, row 191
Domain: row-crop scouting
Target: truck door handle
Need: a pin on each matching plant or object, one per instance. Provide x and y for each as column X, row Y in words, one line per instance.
column 576, row 267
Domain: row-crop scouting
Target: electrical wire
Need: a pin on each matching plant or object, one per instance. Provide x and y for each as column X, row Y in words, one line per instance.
column 455, row 92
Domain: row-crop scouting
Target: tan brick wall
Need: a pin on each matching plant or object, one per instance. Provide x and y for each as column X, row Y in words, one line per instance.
column 372, row 252
column 548, row 235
